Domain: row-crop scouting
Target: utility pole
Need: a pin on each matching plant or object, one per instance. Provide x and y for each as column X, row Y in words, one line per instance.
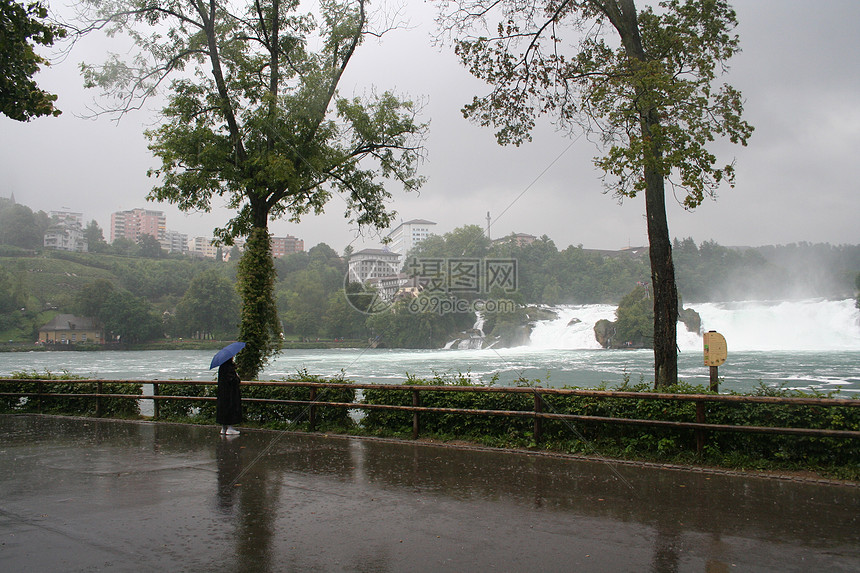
column 488, row 226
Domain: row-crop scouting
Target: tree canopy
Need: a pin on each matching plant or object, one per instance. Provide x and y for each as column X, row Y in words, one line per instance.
column 642, row 81
column 254, row 117
column 22, row 27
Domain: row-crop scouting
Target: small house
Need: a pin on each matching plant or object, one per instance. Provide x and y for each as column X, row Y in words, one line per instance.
column 71, row 329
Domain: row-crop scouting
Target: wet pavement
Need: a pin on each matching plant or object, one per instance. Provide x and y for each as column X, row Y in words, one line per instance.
column 104, row 495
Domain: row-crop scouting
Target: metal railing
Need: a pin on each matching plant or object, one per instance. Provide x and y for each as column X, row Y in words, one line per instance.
column 700, row 426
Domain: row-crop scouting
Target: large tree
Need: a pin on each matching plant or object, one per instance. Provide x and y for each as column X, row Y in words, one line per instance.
column 254, row 116
column 643, row 80
column 22, row 27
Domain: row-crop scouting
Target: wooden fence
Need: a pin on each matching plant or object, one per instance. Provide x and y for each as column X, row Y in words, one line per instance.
column 539, row 413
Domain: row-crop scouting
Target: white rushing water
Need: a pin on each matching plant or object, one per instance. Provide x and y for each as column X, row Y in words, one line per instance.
column 790, row 325
column 807, row 325
column 573, row 329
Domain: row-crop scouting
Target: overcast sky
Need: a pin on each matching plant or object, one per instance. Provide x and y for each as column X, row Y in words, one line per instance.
column 796, row 181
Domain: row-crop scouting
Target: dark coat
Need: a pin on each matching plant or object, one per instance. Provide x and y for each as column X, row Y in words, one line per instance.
column 228, row 409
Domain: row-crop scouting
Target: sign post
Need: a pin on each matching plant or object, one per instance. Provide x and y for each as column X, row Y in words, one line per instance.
column 716, row 352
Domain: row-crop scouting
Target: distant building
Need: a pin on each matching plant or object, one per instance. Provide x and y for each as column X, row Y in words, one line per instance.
column 202, row 247
column 71, row 329
column 175, row 242
column 408, row 234
column 66, row 233
column 67, row 217
column 369, row 264
column 66, row 238
column 283, row 246
column 397, row 286
column 516, row 239
column 133, row 224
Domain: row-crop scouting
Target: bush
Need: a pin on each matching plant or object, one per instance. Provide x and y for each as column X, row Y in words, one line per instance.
column 48, row 404
column 284, row 415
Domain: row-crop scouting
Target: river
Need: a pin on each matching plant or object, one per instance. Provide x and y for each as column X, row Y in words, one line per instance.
column 809, row 345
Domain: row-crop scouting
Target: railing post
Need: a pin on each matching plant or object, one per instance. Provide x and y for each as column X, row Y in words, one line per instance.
column 98, row 399
column 312, row 413
column 40, row 390
column 416, row 423
column 700, row 419
column 538, row 428
column 155, row 400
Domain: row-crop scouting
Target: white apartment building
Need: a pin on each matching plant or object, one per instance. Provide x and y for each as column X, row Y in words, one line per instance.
column 66, row 233
column 66, row 237
column 175, row 242
column 203, row 247
column 369, row 264
column 408, row 234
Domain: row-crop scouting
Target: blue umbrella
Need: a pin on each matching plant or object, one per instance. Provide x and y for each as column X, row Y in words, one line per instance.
column 226, row 354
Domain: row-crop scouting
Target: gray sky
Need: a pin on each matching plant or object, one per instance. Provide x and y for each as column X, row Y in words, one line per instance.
column 796, row 181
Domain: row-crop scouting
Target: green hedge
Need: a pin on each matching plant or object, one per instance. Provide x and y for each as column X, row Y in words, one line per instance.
column 263, row 414
column 833, row 456
column 110, row 407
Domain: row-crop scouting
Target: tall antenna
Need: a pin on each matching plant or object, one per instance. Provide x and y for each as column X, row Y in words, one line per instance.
column 488, row 225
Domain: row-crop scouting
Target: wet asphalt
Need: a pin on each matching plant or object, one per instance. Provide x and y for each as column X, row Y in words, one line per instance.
column 105, row 495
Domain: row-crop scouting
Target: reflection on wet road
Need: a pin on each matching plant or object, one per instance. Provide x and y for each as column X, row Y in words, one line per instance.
column 125, row 496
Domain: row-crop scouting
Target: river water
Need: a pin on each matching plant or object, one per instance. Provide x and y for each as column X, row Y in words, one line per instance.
column 809, row 345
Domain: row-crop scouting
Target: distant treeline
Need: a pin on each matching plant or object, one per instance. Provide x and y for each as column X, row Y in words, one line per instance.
column 142, row 294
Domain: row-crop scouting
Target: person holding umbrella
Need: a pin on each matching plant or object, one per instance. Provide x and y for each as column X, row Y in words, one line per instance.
column 228, row 408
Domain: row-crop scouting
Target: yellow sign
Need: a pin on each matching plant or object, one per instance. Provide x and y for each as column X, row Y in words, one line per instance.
column 716, row 350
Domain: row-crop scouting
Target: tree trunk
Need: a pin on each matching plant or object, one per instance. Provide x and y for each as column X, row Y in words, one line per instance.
column 622, row 14
column 665, row 293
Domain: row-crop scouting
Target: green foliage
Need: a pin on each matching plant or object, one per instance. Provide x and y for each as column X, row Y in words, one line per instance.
column 209, row 305
column 837, row 457
column 468, row 241
column 150, row 247
column 733, row 449
column 261, row 124
column 574, row 275
column 12, row 296
column 128, row 319
column 179, row 410
column 296, row 415
column 417, row 323
column 22, row 27
column 95, row 238
column 19, row 225
column 262, row 413
column 260, row 328
column 634, row 325
column 311, row 296
column 51, row 403
column 857, row 286
column 648, row 92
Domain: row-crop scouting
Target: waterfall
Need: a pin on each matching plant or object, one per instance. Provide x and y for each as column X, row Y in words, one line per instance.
column 479, row 323
column 786, row 325
column 471, row 339
column 752, row 325
column 573, row 329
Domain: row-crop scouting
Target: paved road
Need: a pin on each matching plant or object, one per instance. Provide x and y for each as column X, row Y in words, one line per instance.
column 101, row 495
